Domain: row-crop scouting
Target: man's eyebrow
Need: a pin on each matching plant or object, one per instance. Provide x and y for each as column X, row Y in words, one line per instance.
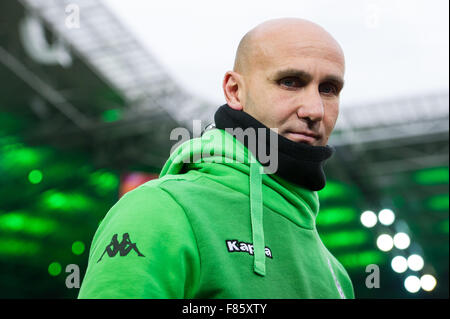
column 292, row 72
column 337, row 80
column 307, row 76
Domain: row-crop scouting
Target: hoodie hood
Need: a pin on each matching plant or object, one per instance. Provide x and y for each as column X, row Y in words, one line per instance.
column 221, row 155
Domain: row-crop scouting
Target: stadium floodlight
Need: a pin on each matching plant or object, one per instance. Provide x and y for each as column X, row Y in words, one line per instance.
column 385, row 242
column 386, row 217
column 35, row 176
column 399, row 264
column 428, row 282
column 415, row 262
column 401, row 240
column 412, row 284
column 368, row 219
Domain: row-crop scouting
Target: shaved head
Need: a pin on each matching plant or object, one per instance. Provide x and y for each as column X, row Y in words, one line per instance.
column 261, row 41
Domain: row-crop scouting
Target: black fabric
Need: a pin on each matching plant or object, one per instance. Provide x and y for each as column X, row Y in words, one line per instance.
column 299, row 163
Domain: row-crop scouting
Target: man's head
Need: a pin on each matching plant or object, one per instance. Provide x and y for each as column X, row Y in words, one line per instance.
column 288, row 74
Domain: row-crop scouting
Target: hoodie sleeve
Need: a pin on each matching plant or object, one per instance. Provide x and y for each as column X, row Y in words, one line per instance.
column 144, row 248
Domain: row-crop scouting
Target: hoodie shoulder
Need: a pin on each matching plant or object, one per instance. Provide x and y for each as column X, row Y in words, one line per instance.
column 148, row 235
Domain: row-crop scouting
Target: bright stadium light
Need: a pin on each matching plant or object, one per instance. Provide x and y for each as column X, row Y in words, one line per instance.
column 368, row 219
column 401, row 240
column 412, row 284
column 35, row 176
column 399, row 264
column 385, row 242
column 386, row 217
column 415, row 262
column 428, row 282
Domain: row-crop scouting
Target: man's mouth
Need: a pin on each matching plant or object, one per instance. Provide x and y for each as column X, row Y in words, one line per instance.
column 302, row 137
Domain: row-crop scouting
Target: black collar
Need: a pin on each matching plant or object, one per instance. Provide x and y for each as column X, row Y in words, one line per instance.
column 298, row 163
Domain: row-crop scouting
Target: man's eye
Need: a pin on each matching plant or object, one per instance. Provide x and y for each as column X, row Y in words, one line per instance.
column 328, row 89
column 291, row 82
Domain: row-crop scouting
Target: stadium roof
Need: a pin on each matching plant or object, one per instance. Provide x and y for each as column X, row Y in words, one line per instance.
column 120, row 59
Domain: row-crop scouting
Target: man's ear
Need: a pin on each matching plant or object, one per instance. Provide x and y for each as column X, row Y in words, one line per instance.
column 233, row 88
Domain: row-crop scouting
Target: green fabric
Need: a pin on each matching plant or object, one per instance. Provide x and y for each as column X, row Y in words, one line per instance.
column 256, row 214
column 196, row 227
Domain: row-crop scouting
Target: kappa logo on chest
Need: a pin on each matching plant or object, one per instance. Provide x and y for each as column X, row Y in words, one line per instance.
column 236, row 246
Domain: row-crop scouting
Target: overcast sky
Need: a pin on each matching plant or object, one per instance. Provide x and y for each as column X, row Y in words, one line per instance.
column 393, row 48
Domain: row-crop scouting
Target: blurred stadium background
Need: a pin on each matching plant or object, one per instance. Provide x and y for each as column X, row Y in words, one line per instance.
column 86, row 117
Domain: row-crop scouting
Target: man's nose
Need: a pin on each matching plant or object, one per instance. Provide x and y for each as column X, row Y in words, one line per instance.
column 311, row 105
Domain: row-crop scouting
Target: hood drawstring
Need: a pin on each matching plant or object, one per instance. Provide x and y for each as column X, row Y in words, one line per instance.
column 256, row 214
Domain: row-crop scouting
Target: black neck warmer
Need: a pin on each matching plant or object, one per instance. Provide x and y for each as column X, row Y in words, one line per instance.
column 299, row 163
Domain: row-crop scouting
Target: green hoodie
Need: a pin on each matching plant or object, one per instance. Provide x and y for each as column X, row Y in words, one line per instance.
column 213, row 227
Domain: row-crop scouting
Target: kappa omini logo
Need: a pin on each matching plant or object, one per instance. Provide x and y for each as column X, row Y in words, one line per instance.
column 237, row 246
column 123, row 248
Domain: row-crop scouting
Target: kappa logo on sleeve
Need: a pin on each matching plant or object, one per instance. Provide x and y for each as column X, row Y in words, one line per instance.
column 123, row 248
column 236, row 246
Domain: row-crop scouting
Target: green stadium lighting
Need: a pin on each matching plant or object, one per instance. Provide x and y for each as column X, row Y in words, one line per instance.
column 54, row 200
column 12, row 221
column 334, row 190
column 22, row 222
column 345, row 238
column 70, row 202
column 35, row 176
column 54, row 269
column 78, row 247
column 111, row 115
column 104, row 182
column 16, row 247
column 437, row 175
column 438, row 202
column 443, row 227
column 18, row 157
column 336, row 216
column 361, row 258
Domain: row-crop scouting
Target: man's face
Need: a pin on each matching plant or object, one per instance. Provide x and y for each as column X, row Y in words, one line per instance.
column 294, row 84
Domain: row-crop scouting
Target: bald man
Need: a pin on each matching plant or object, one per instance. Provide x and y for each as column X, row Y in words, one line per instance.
column 224, row 220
